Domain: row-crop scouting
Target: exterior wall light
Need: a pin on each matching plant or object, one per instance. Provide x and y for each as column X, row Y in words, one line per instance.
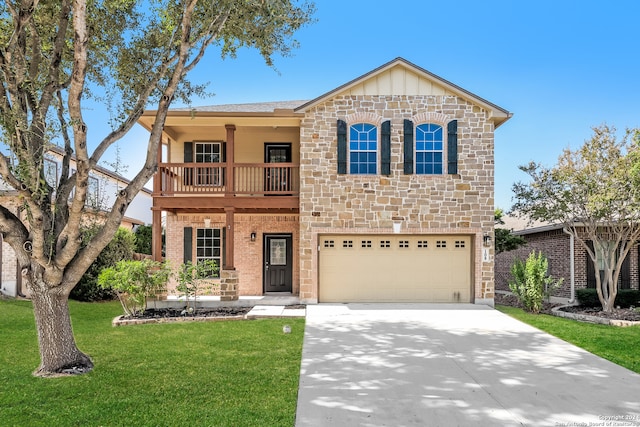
column 253, row 236
column 486, row 239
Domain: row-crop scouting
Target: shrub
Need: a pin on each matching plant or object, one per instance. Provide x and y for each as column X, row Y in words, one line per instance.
column 191, row 281
column 121, row 247
column 143, row 239
column 135, row 282
column 531, row 284
column 626, row 298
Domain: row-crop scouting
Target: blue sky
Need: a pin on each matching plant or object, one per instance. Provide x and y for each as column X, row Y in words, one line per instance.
column 561, row 67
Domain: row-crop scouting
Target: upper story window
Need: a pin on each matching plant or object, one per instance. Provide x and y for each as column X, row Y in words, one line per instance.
column 426, row 148
column 93, row 193
column 429, row 149
column 51, row 172
column 208, row 152
column 363, row 148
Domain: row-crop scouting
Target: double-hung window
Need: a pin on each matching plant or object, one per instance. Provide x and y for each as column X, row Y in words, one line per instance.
column 429, row 149
column 363, row 148
column 209, row 246
column 208, row 152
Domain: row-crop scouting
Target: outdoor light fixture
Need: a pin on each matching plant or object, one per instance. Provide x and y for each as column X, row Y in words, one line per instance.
column 253, row 236
column 397, row 223
column 486, row 239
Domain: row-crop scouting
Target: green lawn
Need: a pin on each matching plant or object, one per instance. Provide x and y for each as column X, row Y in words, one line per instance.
column 232, row 373
column 619, row 345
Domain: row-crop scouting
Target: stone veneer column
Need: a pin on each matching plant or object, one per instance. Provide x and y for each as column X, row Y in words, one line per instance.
column 229, row 285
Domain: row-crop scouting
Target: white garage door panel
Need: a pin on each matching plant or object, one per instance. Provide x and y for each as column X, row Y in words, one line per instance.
column 395, row 268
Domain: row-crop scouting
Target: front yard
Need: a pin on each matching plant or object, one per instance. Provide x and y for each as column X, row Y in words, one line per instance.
column 231, row 373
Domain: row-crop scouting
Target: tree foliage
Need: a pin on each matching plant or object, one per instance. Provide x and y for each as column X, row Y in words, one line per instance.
column 128, row 55
column 594, row 192
column 121, row 247
column 505, row 240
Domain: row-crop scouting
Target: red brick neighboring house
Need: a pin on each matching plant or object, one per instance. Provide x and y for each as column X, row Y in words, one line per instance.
column 379, row 190
column 567, row 259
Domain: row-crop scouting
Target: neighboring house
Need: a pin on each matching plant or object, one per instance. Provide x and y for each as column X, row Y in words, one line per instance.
column 379, row 190
column 103, row 188
column 566, row 256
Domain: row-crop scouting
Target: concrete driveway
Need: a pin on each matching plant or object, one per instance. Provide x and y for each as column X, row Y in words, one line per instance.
column 452, row 365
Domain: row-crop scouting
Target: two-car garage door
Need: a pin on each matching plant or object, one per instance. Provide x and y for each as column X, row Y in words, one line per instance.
column 395, row 268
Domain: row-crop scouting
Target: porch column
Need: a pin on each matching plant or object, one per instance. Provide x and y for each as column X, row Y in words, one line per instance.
column 230, row 151
column 156, row 225
column 229, row 245
column 156, row 235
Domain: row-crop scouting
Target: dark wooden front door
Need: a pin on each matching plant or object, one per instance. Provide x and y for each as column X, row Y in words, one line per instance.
column 277, row 177
column 278, row 262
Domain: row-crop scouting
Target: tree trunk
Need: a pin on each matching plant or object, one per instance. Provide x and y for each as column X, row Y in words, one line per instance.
column 58, row 351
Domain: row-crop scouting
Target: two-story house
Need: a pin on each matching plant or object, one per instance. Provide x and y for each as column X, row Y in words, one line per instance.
column 103, row 187
column 379, row 190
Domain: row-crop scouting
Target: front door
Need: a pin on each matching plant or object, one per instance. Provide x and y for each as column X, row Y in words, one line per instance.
column 277, row 178
column 278, row 262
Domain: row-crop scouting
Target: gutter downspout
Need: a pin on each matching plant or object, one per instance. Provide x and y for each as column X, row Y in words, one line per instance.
column 572, row 266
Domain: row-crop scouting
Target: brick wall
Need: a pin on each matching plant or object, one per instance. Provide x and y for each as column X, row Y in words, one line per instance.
column 248, row 256
column 459, row 204
column 553, row 244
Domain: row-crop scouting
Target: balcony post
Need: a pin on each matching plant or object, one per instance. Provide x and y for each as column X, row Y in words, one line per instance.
column 230, row 185
column 229, row 243
column 156, row 235
column 157, row 177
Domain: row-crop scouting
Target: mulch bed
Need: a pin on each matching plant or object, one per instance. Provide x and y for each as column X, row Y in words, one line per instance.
column 629, row 314
column 166, row 313
column 177, row 313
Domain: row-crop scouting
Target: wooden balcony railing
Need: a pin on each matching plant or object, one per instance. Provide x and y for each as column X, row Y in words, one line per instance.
column 211, row 178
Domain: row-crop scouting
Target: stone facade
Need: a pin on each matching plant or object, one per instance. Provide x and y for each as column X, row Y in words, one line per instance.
column 452, row 204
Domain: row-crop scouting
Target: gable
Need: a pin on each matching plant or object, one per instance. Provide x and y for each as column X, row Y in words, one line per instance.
column 397, row 80
column 402, row 78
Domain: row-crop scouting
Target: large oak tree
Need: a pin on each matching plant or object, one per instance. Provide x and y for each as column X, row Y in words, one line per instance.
column 131, row 55
column 594, row 192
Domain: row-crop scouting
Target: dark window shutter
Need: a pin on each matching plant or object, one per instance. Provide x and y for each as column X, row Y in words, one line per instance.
column 223, row 248
column 408, row 147
column 187, row 179
column 591, row 270
column 188, row 244
column 188, row 152
column 385, row 148
column 342, row 146
column 625, row 274
column 223, row 152
column 452, row 145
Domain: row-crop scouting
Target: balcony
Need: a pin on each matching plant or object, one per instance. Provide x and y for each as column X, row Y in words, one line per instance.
column 214, row 185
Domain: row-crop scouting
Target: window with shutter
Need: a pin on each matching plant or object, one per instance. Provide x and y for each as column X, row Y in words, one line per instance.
column 363, row 149
column 429, row 149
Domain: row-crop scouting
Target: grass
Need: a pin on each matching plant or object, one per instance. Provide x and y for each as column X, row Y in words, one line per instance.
column 614, row 343
column 232, row 373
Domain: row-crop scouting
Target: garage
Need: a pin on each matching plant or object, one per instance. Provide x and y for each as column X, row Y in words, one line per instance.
column 395, row 268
